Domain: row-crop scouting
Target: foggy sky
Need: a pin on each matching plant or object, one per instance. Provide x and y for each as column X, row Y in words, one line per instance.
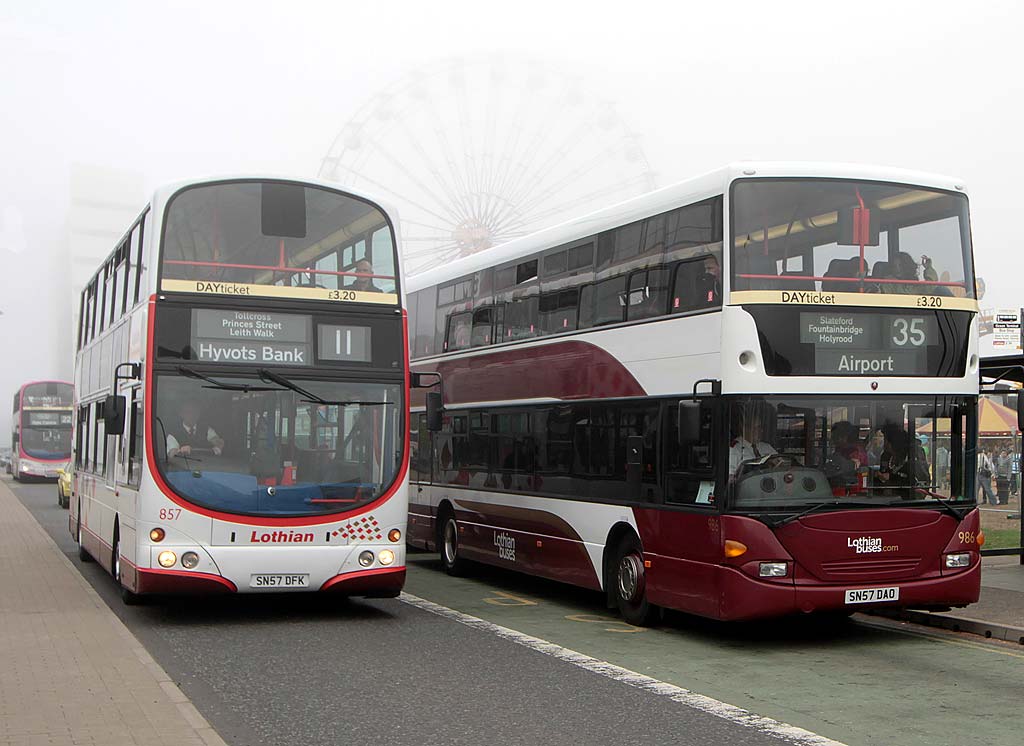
column 180, row 89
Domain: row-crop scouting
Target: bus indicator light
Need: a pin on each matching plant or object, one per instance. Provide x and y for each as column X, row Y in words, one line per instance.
column 734, row 548
column 156, row 535
column 394, row 535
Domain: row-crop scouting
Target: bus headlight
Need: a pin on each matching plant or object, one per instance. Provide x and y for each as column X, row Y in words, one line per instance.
column 189, row 560
column 959, row 559
column 773, row 569
column 386, row 557
column 366, row 558
column 167, row 558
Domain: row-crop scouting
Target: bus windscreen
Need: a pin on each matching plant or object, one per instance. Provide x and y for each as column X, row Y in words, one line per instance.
column 277, row 239
column 802, row 238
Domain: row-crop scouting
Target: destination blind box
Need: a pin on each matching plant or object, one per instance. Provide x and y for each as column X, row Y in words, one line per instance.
column 264, row 338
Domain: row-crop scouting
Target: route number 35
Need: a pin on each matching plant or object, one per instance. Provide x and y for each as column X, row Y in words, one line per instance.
column 908, row 332
column 170, row 514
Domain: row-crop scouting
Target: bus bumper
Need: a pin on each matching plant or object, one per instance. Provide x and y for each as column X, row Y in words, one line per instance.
column 744, row 597
column 379, row 583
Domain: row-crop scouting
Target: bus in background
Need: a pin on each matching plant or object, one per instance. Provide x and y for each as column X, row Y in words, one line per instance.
column 741, row 396
column 241, row 412
column 41, row 429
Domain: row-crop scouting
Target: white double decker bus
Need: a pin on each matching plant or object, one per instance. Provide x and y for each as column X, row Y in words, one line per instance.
column 242, row 378
column 748, row 394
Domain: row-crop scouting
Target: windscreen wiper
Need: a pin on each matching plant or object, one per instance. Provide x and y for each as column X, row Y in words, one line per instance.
column 819, row 506
column 948, row 506
column 214, row 383
column 311, row 398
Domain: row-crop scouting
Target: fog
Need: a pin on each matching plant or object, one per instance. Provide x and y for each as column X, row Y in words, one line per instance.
column 159, row 91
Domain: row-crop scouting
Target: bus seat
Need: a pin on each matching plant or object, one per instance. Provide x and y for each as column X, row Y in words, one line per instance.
column 762, row 264
column 841, row 268
column 796, row 284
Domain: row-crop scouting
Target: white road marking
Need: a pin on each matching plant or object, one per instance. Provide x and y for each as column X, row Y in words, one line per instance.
column 712, row 706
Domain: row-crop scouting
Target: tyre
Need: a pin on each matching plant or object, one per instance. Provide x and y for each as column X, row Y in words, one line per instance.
column 629, row 583
column 128, row 597
column 83, row 555
column 448, row 545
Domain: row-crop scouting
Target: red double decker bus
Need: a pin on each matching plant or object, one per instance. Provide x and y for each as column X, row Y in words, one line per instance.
column 41, row 429
column 745, row 395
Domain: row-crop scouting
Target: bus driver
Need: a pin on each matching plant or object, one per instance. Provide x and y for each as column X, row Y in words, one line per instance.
column 748, row 445
column 188, row 433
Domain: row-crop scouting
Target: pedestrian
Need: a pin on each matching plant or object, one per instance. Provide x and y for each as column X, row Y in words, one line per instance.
column 1004, row 465
column 985, row 468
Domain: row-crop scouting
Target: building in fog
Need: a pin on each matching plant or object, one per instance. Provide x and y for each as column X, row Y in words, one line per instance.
column 103, row 204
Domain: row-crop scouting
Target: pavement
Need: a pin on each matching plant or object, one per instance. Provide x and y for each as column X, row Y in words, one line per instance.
column 71, row 672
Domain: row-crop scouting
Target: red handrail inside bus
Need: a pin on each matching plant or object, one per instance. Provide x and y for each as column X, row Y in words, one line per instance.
column 274, row 268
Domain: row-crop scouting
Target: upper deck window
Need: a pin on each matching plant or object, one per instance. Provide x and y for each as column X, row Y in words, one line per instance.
column 849, row 237
column 277, row 239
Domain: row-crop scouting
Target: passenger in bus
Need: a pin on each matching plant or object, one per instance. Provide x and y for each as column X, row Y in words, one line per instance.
column 903, row 462
column 903, row 268
column 709, row 284
column 190, row 433
column 748, row 445
column 365, row 284
column 848, row 456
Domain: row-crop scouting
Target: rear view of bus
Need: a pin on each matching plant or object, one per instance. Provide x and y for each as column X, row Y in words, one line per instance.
column 849, row 395
column 41, row 429
column 269, row 399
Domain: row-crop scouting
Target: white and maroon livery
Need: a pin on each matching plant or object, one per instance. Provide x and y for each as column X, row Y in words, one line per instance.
column 240, row 421
column 744, row 395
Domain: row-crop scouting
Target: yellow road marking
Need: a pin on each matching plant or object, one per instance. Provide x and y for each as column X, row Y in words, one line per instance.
column 507, row 599
column 621, row 627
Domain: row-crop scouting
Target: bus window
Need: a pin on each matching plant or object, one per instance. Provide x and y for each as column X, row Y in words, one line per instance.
column 689, row 464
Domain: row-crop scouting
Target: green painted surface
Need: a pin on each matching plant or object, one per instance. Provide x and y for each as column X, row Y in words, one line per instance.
column 851, row 681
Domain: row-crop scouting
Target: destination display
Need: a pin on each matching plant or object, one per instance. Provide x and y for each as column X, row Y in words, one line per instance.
column 49, row 419
column 856, row 344
column 256, row 337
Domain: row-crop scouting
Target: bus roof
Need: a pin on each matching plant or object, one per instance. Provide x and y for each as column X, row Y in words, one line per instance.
column 669, row 197
column 165, row 191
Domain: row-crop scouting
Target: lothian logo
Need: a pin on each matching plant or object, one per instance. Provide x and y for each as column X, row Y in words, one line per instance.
column 865, row 544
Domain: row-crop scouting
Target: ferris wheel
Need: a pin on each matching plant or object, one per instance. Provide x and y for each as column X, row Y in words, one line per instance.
column 477, row 152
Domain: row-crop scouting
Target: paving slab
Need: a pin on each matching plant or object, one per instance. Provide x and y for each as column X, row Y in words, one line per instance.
column 71, row 672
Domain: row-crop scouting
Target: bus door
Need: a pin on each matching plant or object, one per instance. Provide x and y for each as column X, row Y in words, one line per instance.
column 685, row 531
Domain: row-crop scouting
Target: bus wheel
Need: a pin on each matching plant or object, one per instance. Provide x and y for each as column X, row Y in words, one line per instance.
column 129, row 598
column 82, row 553
column 448, row 544
column 629, row 584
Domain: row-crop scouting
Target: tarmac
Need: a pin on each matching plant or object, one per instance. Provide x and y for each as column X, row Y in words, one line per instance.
column 70, row 672
column 998, row 614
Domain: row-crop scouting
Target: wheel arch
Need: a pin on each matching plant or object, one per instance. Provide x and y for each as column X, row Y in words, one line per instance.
column 616, row 534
